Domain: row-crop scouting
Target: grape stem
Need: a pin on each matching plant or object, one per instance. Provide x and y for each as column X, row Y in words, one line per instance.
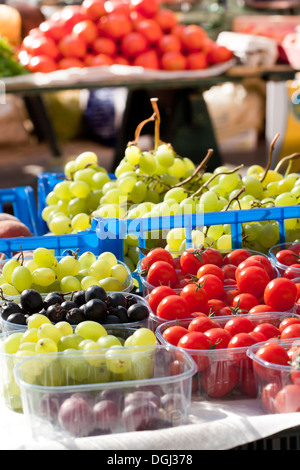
column 215, row 175
column 139, row 130
column 235, row 198
column 156, row 123
column 196, row 171
column 288, row 159
column 272, row 145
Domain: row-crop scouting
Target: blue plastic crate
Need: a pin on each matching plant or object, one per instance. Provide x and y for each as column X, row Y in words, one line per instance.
column 23, row 206
column 45, row 184
column 112, row 232
column 83, row 241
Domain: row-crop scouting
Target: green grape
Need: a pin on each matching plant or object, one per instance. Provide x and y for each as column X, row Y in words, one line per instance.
column 93, row 200
column 255, row 170
column 69, row 341
column 111, row 211
column 137, row 211
column 117, row 360
column 74, row 366
column 36, row 320
column 99, row 180
column 178, row 168
column 111, row 284
column 132, row 154
column 173, row 205
column 86, row 159
column 188, row 206
column 12, row 343
column 252, row 231
column 108, row 341
column 123, row 167
column 44, row 257
column 290, row 224
column 142, row 366
column 92, row 355
column 86, row 259
column 62, row 190
column 296, row 191
column 126, row 184
column 47, row 211
column 165, row 155
column 222, row 203
column 131, row 240
column 79, row 189
column 86, row 175
column 90, row 330
column 285, row 199
column 46, row 345
column 60, row 225
column 129, row 263
column 218, row 189
column 51, row 199
column 224, row 242
column 27, row 346
column 67, row 266
column 9, row 289
column 138, row 192
column 119, row 272
column 209, row 201
column 270, row 177
column 240, row 205
column 175, row 237
column 269, row 235
column 229, row 182
column 81, row 222
column 64, row 327
column 76, row 206
column 143, row 337
column 176, row 193
column 189, row 166
column 21, row 278
column 43, row 276
column 70, row 284
column 88, row 281
column 215, row 231
column 69, row 169
column 9, row 267
column 62, row 206
column 253, row 186
column 197, row 237
column 30, row 336
column 47, row 330
column 113, row 196
column 100, row 269
column 134, row 255
column 147, row 163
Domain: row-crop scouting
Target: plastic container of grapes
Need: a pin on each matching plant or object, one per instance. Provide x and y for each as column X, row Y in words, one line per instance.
column 147, row 287
column 223, row 373
column 7, row 326
column 285, row 270
column 278, row 386
column 153, row 392
column 10, row 391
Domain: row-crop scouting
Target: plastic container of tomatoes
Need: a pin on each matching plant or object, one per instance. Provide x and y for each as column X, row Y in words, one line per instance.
column 286, row 258
column 277, row 374
column 232, row 257
column 224, row 372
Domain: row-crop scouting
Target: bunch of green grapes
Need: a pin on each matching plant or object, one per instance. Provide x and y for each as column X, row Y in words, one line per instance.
column 73, row 199
column 45, row 272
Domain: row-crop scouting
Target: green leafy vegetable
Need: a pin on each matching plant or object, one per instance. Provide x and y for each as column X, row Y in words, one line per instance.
column 9, row 65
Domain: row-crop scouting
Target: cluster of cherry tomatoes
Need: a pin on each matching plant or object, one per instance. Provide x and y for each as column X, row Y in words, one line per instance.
column 204, row 282
column 279, row 388
column 220, row 348
column 130, row 32
column 288, row 260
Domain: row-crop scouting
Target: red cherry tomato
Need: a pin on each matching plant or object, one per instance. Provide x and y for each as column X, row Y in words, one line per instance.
column 280, row 294
column 173, row 334
column 161, row 273
column 220, row 378
column 213, row 285
column 195, row 340
column 157, row 254
column 210, row 269
column 258, row 336
column 229, row 295
column 191, row 260
column 196, row 297
column 273, row 353
column 291, row 331
column 241, row 340
column 229, row 271
column 253, row 280
column 236, row 256
column 238, row 324
column 245, row 301
column 248, row 382
column 286, row 257
column 268, row 397
column 261, row 308
column 214, row 305
column 212, row 256
column 268, row 330
column 218, row 338
column 287, row 322
column 202, row 324
column 292, row 272
column 157, row 294
column 173, row 307
column 265, row 262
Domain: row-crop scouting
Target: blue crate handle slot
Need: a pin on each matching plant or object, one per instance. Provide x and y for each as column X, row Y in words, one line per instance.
column 24, row 206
